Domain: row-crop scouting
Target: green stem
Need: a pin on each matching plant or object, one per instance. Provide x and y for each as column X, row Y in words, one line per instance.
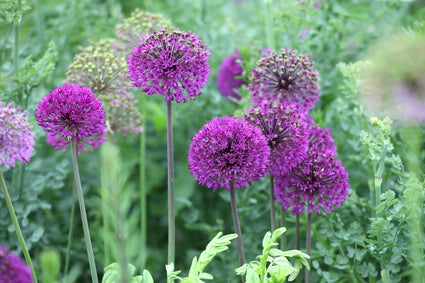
column 272, row 207
column 297, row 231
column 283, row 224
column 269, row 24
column 241, row 253
column 83, row 214
column 143, row 189
column 17, row 227
column 170, row 161
column 71, row 227
column 308, row 246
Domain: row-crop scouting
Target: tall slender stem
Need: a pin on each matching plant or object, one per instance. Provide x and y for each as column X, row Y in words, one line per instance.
column 170, row 159
column 308, row 247
column 241, row 253
column 283, row 224
column 297, row 231
column 17, row 227
column 71, row 228
column 142, row 173
column 86, row 230
column 272, row 207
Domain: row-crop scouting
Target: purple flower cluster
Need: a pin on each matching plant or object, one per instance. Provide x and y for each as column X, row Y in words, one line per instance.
column 319, row 182
column 71, row 112
column 286, row 132
column 286, row 77
column 227, row 82
column 170, row 63
column 13, row 269
column 228, row 152
column 16, row 137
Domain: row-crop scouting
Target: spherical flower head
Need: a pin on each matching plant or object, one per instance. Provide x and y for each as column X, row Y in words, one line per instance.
column 227, row 81
column 285, row 77
column 13, row 269
column 137, row 25
column 170, row 63
column 71, row 112
column 286, row 131
column 16, row 137
column 320, row 182
column 228, row 152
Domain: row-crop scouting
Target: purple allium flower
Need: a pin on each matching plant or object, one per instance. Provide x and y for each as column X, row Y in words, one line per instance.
column 70, row 112
column 227, row 82
column 286, row 132
column 228, row 152
column 170, row 63
column 16, row 137
column 13, row 269
column 320, row 182
column 287, row 78
column 304, row 33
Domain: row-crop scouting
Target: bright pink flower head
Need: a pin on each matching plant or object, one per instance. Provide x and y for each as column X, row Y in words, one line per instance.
column 319, row 183
column 70, row 112
column 13, row 269
column 170, row 63
column 227, row 82
column 228, row 152
column 16, row 137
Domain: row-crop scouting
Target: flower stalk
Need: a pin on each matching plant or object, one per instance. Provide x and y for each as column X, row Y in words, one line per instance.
column 71, row 228
column 170, row 162
column 241, row 253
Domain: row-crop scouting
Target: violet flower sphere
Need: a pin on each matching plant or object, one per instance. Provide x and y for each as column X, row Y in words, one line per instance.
column 319, row 183
column 171, row 63
column 227, row 82
column 13, row 269
column 286, row 131
column 70, row 112
column 228, row 152
column 16, row 137
column 286, row 77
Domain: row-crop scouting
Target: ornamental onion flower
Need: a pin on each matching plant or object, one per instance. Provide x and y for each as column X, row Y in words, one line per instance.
column 285, row 77
column 320, row 182
column 228, row 152
column 70, row 112
column 286, row 132
column 170, row 63
column 12, row 268
column 16, row 137
column 227, row 82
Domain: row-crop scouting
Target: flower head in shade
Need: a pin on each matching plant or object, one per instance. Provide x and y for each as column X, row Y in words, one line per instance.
column 285, row 77
column 319, row 183
column 227, row 82
column 13, row 269
column 286, row 132
column 137, row 25
column 70, row 112
column 228, row 152
column 170, row 63
column 16, row 137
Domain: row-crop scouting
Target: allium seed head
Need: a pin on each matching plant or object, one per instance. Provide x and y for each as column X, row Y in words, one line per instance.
column 13, row 269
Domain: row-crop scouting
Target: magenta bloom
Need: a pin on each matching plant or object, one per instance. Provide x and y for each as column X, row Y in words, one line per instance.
column 286, row 132
column 227, row 82
column 70, row 112
column 16, row 137
column 228, row 152
column 170, row 63
column 13, row 269
column 320, row 182
column 287, row 78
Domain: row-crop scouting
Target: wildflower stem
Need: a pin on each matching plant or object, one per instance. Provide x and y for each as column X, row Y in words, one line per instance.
column 170, row 160
column 297, row 231
column 272, row 206
column 282, row 224
column 241, row 253
column 308, row 247
column 86, row 230
column 71, row 227
column 142, row 172
column 17, row 227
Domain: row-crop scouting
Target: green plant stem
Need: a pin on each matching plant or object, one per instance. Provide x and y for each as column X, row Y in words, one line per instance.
column 282, row 224
column 308, row 247
column 71, row 228
column 269, row 24
column 272, row 206
column 86, row 230
column 143, row 189
column 297, row 231
column 241, row 253
column 17, row 227
column 170, row 161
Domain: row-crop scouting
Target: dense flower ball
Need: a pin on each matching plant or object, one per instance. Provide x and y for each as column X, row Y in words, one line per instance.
column 286, row 131
column 320, row 182
column 16, row 137
column 12, row 268
column 285, row 77
column 228, row 152
column 170, row 63
column 227, row 83
column 70, row 112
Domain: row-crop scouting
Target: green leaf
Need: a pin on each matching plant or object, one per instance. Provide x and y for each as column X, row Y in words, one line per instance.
column 252, row 277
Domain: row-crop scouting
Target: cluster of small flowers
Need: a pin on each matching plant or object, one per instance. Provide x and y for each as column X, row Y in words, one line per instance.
column 12, row 268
